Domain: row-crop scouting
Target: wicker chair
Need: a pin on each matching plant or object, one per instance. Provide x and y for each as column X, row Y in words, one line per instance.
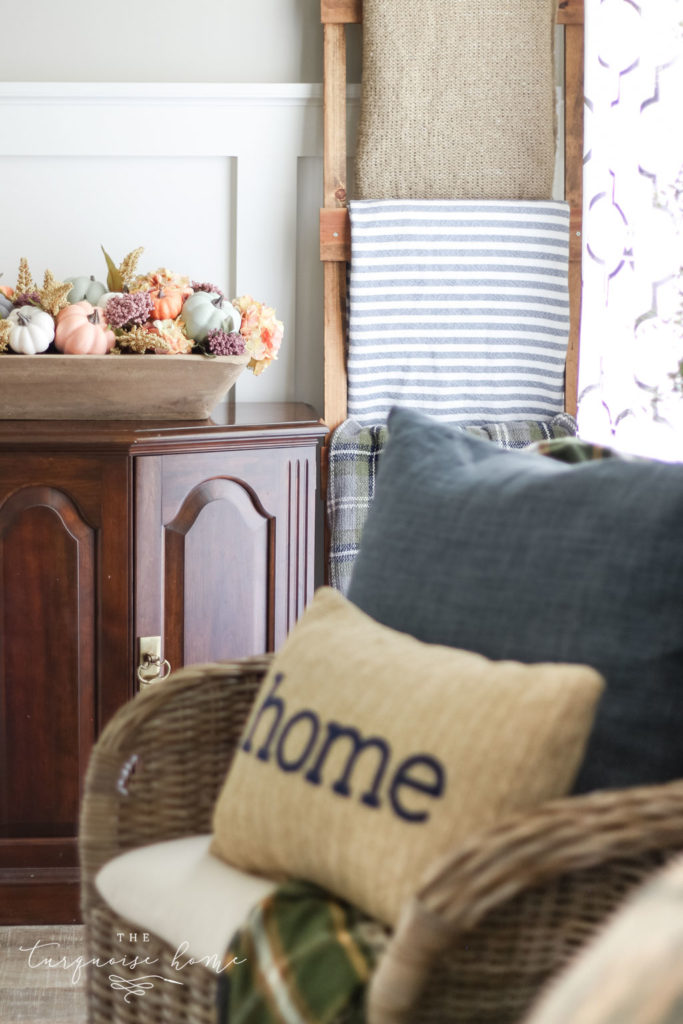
column 490, row 924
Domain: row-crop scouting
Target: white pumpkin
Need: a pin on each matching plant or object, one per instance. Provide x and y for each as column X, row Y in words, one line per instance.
column 105, row 297
column 32, row 330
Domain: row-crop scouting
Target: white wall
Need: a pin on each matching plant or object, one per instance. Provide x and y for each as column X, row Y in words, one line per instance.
column 165, row 41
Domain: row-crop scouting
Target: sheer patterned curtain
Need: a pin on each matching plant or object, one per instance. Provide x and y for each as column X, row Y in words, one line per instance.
column 632, row 318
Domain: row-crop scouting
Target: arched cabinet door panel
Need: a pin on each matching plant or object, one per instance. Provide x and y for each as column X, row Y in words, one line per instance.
column 227, row 542
column 47, row 629
column 219, row 574
column 64, row 663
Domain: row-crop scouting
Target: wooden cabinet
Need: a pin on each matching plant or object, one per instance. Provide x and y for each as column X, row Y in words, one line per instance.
column 203, row 534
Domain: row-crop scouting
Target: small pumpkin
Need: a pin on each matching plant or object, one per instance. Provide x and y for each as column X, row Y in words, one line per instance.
column 32, row 330
column 85, row 288
column 208, row 311
column 168, row 302
column 105, row 297
column 82, row 331
column 6, row 306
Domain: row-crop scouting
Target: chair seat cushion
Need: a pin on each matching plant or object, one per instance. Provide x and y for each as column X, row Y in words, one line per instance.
column 181, row 893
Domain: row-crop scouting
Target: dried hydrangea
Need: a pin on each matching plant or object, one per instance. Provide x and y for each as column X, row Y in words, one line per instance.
column 262, row 332
column 172, row 338
column 125, row 310
column 162, row 277
column 206, row 286
column 222, row 343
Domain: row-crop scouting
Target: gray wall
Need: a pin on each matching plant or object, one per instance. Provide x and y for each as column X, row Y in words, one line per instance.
column 165, row 41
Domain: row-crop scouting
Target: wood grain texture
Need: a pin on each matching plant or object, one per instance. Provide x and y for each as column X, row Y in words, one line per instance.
column 335, row 235
column 570, row 12
column 341, row 12
column 574, row 196
column 334, row 125
column 335, row 343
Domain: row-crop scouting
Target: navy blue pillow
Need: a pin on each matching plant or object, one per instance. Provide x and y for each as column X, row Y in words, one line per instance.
column 518, row 556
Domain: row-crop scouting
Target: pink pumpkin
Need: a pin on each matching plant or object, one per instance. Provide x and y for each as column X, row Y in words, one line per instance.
column 81, row 331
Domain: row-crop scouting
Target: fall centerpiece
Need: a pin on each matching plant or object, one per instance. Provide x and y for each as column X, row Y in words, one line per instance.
column 205, row 340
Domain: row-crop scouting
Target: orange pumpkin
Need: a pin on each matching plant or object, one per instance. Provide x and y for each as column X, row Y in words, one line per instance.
column 6, row 290
column 167, row 302
column 81, row 330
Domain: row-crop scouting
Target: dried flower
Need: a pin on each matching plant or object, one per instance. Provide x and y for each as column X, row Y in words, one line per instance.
column 128, row 309
column 31, row 298
column 222, row 343
column 261, row 331
column 172, row 338
column 137, row 339
column 53, row 294
column 25, row 282
column 5, row 330
column 128, row 265
column 206, row 286
column 162, row 277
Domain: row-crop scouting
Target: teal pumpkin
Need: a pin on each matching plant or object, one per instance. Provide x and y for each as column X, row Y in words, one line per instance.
column 86, row 289
column 207, row 311
column 6, row 306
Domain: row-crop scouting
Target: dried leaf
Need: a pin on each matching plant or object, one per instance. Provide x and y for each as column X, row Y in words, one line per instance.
column 114, row 279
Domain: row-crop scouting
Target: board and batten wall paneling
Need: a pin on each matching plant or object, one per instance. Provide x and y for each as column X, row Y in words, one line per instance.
column 218, row 181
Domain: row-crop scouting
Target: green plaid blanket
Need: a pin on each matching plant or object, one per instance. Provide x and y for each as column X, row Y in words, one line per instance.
column 353, row 459
column 301, row 957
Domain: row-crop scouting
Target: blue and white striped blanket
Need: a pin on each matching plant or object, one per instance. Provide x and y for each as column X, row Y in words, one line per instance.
column 458, row 308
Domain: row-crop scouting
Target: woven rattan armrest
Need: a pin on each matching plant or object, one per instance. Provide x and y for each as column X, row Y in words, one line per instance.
column 156, row 770
column 503, row 913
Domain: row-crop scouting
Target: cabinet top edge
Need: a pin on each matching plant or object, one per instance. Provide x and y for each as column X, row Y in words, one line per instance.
column 257, row 421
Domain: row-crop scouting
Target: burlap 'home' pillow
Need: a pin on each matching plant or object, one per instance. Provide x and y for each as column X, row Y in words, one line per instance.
column 369, row 753
column 457, row 100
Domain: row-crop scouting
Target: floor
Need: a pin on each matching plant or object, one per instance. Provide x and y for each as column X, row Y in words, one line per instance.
column 34, row 991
